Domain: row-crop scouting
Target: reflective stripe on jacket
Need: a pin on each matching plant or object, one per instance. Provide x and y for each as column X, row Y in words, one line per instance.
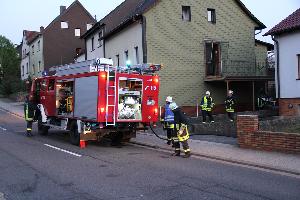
column 182, row 132
column 28, row 111
column 229, row 103
column 169, row 115
column 207, row 104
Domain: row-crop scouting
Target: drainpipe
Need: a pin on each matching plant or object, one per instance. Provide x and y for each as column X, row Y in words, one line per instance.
column 277, row 66
column 144, row 43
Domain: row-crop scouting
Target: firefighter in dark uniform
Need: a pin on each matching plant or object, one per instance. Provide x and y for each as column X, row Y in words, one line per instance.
column 207, row 105
column 229, row 105
column 167, row 118
column 29, row 111
column 182, row 136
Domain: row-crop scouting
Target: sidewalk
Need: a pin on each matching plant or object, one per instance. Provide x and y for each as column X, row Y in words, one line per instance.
column 289, row 163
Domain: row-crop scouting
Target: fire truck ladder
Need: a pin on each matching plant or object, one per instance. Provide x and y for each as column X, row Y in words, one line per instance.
column 111, row 75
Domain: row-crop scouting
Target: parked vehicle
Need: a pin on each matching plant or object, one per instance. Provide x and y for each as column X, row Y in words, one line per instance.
column 93, row 99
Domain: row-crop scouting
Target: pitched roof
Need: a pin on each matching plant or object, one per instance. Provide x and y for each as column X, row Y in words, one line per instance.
column 29, row 34
column 269, row 46
column 289, row 24
column 129, row 9
column 76, row 2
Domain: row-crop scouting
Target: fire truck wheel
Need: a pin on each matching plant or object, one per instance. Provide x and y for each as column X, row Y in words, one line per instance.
column 42, row 129
column 74, row 135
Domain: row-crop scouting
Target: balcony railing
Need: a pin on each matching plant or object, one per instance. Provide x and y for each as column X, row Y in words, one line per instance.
column 245, row 68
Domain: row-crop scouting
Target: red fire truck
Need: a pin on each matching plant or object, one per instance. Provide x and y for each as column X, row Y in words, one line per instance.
column 93, row 99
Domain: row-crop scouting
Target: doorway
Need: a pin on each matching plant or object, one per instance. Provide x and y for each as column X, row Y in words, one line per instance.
column 213, row 58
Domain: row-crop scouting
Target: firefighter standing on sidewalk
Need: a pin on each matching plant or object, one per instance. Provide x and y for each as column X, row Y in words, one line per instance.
column 29, row 111
column 167, row 118
column 206, row 106
column 229, row 105
column 181, row 129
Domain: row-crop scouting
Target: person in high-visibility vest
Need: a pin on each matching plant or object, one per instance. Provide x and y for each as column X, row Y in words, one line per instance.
column 167, row 118
column 181, row 128
column 29, row 111
column 207, row 105
column 229, row 105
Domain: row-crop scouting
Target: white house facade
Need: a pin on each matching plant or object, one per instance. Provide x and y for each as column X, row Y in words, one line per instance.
column 95, row 45
column 126, row 46
column 286, row 35
column 24, row 67
column 289, row 53
column 36, row 56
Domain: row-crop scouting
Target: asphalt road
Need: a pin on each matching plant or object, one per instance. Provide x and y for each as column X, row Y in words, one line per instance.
column 34, row 168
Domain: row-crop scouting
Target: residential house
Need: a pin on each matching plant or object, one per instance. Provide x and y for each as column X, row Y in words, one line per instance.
column 60, row 43
column 25, row 56
column 204, row 45
column 286, row 35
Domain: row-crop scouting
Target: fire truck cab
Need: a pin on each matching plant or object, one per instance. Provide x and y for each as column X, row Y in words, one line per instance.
column 93, row 99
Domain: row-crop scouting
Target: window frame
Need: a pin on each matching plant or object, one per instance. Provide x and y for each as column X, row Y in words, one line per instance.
column 100, row 36
column 298, row 56
column 62, row 23
column 137, row 56
column 93, row 45
column 211, row 15
column 76, row 31
column 188, row 11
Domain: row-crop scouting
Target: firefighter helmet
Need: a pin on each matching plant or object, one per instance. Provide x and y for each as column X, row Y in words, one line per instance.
column 169, row 99
column 207, row 92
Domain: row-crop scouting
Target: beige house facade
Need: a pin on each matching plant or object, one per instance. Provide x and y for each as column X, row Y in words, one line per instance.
column 204, row 45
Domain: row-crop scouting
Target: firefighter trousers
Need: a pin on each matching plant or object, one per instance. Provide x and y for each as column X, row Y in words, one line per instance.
column 185, row 146
column 29, row 127
column 208, row 113
column 170, row 135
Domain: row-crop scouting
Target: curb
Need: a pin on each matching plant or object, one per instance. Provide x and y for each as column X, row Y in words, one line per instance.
column 266, row 167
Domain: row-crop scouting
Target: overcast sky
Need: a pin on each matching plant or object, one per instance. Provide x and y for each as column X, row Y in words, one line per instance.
column 16, row 15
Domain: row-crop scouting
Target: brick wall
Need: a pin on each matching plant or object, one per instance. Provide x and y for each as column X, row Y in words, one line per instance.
column 289, row 107
column 250, row 137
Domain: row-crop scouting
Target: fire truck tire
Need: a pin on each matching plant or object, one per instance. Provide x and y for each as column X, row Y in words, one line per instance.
column 42, row 129
column 74, row 134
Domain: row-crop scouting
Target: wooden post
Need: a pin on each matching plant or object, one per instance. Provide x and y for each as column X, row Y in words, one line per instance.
column 253, row 95
column 227, row 86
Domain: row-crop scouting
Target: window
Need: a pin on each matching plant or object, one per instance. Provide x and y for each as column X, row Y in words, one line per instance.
column 88, row 26
column 298, row 66
column 27, row 68
column 22, row 70
column 137, row 59
column 126, row 56
column 51, row 85
column 39, row 66
column 211, row 15
column 186, row 13
column 77, row 32
column 39, row 45
column 33, row 69
column 93, row 48
column 64, row 25
column 100, row 36
column 78, row 51
column 32, row 49
column 118, row 59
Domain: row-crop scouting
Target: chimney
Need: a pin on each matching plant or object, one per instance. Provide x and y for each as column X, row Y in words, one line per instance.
column 62, row 9
column 42, row 29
